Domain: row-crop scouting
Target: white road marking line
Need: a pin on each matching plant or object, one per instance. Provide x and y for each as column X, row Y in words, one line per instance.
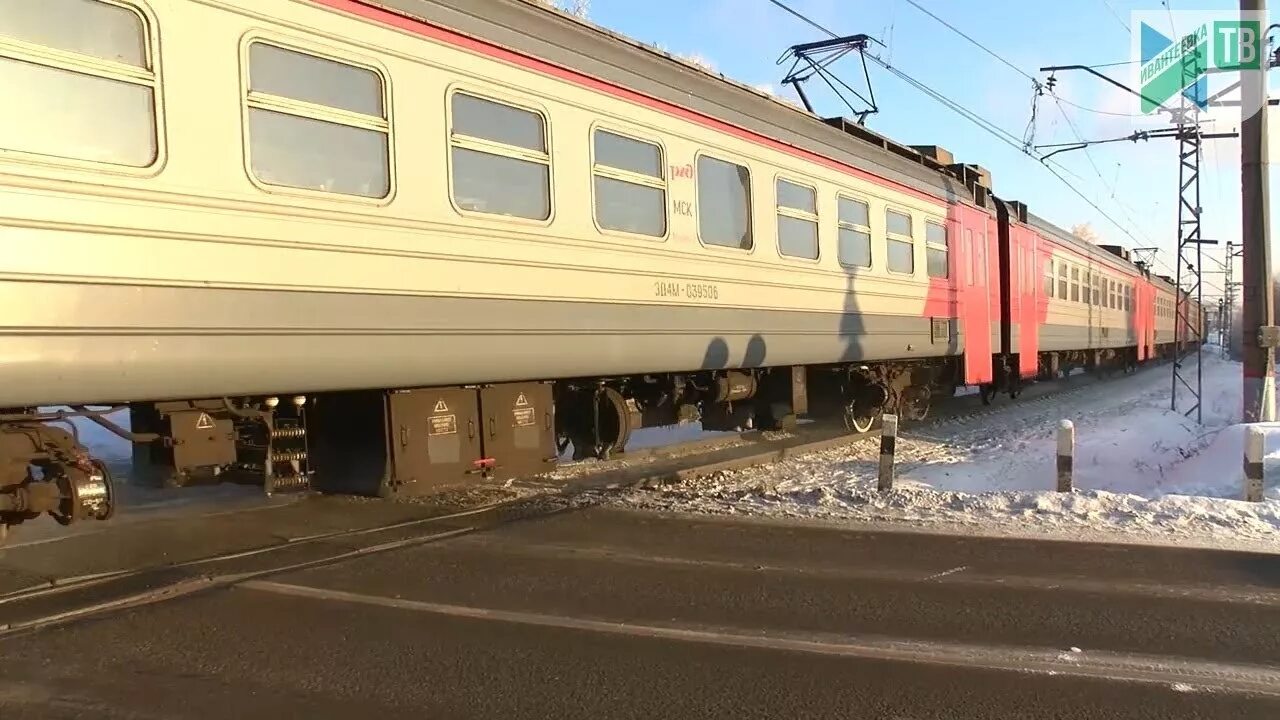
column 1104, row 665
column 1236, row 594
column 945, row 573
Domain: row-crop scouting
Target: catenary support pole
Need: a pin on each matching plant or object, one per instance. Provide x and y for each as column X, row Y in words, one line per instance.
column 1258, row 304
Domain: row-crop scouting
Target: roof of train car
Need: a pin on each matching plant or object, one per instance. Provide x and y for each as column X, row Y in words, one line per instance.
column 1083, row 246
column 560, row 39
column 1096, row 251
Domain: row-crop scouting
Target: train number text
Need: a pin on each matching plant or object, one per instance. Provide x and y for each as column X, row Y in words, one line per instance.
column 687, row 290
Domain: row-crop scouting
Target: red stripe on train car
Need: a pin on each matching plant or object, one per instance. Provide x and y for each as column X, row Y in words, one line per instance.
column 488, row 49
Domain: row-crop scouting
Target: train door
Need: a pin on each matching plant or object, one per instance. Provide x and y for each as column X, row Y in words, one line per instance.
column 1144, row 322
column 1026, row 316
column 1019, row 304
column 978, row 283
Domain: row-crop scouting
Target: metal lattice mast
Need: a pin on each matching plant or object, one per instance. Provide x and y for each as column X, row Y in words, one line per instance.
column 1229, row 294
column 1187, row 281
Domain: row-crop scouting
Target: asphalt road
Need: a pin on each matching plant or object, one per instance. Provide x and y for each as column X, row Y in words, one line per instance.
column 610, row 614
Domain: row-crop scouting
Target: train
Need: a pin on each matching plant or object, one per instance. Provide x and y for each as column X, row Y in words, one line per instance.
column 392, row 247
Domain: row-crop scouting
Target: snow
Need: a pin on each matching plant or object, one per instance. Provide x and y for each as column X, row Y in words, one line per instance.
column 1140, row 470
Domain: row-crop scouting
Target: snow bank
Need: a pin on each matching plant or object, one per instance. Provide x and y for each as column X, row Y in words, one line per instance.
column 1140, row 469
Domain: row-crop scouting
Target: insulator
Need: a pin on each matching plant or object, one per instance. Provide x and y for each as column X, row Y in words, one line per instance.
column 288, row 456
column 272, row 402
column 299, row 400
column 288, row 432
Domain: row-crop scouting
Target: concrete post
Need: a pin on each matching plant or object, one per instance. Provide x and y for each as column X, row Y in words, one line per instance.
column 1255, row 205
column 1066, row 453
column 888, row 443
column 1254, row 449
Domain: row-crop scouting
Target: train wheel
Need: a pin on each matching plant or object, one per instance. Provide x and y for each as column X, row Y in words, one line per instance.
column 859, row 421
column 613, row 423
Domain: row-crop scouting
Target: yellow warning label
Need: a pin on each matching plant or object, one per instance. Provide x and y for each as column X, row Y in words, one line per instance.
column 521, row 400
column 442, row 425
column 523, row 417
column 204, row 422
column 440, row 406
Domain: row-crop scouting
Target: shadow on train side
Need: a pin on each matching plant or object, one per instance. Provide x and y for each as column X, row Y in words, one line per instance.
column 891, row 359
column 717, row 354
column 873, row 348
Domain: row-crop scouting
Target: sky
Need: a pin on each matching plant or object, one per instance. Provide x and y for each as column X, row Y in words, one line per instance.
column 1133, row 185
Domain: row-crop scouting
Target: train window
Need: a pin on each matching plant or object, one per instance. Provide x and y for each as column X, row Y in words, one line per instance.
column 1111, row 294
column 1029, row 257
column 855, row 233
column 971, row 267
column 901, row 256
column 84, row 80
column 103, row 30
column 499, row 158
column 630, row 186
column 1062, row 280
column 937, row 249
column 797, row 220
column 1075, row 284
column 317, row 123
column 1128, row 298
column 1048, row 278
column 1097, row 289
column 1088, row 281
column 274, row 70
column 724, row 203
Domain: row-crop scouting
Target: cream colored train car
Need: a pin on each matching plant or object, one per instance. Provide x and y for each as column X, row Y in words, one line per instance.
column 1095, row 303
column 411, row 217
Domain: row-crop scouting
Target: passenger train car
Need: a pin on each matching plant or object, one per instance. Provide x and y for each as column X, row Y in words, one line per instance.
column 390, row 247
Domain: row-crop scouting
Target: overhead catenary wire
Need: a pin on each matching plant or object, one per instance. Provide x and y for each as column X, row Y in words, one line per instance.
column 1125, row 209
column 982, row 47
column 986, row 125
column 1116, row 15
column 1007, row 63
column 1095, row 111
column 1118, row 63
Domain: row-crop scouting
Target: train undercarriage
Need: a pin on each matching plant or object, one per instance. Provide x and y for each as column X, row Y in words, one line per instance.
column 423, row 440
column 1061, row 364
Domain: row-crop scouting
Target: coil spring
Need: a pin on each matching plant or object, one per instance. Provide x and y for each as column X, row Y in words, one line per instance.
column 281, row 483
column 282, row 433
column 288, row 456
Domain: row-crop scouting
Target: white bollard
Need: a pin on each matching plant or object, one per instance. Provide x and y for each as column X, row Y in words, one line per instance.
column 888, row 443
column 1254, row 449
column 1066, row 453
